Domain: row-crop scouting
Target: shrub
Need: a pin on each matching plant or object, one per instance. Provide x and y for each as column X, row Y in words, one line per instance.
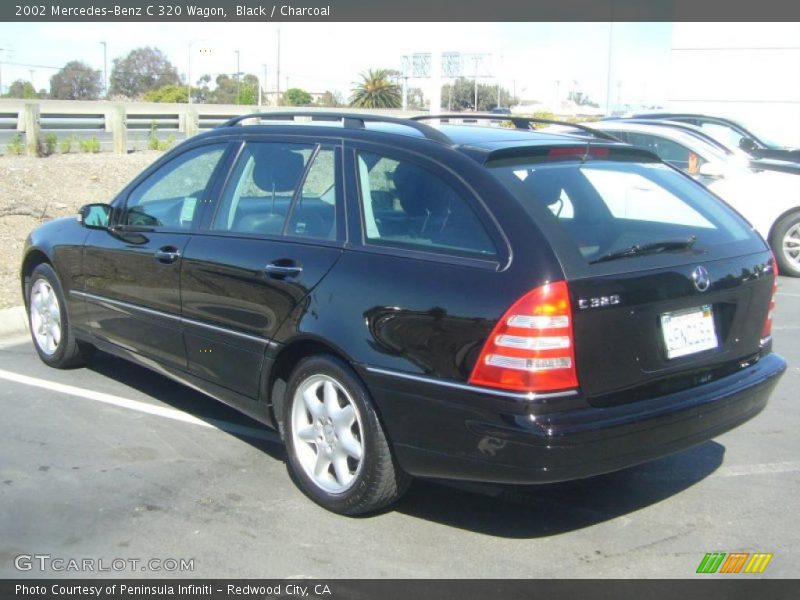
column 66, row 144
column 90, row 145
column 153, row 143
column 50, row 143
column 16, row 146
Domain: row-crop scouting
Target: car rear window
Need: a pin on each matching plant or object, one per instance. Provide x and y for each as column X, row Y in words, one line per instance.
column 605, row 206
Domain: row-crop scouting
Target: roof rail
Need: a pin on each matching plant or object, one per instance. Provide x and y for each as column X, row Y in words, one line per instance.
column 349, row 120
column 519, row 122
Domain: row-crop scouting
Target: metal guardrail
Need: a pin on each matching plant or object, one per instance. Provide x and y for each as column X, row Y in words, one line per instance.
column 115, row 124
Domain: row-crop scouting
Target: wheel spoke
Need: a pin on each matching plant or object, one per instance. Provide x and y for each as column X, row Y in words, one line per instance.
column 55, row 333
column 345, row 418
column 331, row 400
column 313, row 405
column 321, row 466
column 342, row 469
column 351, row 445
column 307, row 434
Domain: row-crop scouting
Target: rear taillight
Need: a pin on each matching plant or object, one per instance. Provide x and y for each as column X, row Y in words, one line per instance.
column 766, row 331
column 532, row 348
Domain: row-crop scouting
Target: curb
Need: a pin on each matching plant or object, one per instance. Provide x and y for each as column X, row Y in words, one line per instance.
column 13, row 321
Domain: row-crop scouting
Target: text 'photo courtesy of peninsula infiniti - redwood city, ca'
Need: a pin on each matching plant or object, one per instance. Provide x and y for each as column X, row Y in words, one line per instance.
column 418, row 298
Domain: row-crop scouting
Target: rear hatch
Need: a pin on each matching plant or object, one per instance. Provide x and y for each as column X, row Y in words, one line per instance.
column 669, row 287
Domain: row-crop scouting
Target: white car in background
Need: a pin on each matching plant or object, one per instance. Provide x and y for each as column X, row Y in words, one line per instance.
column 769, row 199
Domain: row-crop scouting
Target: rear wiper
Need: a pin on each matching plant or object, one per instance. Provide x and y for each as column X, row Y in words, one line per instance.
column 651, row 248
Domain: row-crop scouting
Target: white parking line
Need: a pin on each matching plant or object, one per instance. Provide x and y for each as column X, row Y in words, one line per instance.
column 759, row 469
column 144, row 407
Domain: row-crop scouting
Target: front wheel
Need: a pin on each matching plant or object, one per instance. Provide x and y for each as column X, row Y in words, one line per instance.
column 337, row 449
column 51, row 331
column 785, row 242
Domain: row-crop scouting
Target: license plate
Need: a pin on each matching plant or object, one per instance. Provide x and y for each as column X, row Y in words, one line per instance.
column 688, row 331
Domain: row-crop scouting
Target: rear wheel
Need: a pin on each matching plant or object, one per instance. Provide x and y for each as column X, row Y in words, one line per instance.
column 51, row 331
column 785, row 242
column 337, row 449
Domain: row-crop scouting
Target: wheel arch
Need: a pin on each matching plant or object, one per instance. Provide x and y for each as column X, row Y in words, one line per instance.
column 284, row 362
column 33, row 258
column 780, row 217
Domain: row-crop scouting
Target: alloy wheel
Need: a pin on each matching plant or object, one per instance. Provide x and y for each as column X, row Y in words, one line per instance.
column 327, row 433
column 45, row 316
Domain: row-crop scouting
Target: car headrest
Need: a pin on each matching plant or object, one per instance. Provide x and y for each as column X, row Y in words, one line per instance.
column 420, row 193
column 545, row 186
column 277, row 168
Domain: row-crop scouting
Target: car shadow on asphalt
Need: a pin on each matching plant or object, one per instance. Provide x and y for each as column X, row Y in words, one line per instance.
column 515, row 511
column 510, row 511
column 188, row 400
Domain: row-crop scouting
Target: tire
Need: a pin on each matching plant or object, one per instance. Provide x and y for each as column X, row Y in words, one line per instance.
column 340, row 458
column 784, row 240
column 51, row 331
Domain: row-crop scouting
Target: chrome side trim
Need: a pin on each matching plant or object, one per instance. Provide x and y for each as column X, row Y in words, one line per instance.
column 120, row 303
column 529, row 397
column 182, row 320
column 225, row 330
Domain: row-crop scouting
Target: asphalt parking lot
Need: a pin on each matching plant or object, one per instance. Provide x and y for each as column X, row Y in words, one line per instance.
column 116, row 462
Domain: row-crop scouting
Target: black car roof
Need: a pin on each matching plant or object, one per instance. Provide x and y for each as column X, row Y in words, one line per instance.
column 477, row 141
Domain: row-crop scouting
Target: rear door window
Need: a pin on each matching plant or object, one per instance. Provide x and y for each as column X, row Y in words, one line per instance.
column 259, row 192
column 407, row 206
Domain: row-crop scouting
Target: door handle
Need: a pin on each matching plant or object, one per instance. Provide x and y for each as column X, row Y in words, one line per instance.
column 167, row 254
column 288, row 269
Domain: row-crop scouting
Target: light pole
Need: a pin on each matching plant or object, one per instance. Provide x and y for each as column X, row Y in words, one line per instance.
column 1, row 72
column 475, row 60
column 238, row 88
column 189, row 69
column 278, row 71
column 265, row 87
column 105, row 69
column 608, row 72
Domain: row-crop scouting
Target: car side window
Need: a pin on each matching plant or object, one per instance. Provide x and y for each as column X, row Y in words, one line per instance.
column 260, row 190
column 313, row 214
column 171, row 197
column 407, row 206
column 723, row 133
column 671, row 152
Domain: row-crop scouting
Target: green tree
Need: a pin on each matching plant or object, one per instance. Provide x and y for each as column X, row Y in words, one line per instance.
column 168, row 93
column 201, row 93
column 142, row 70
column 227, row 86
column 460, row 95
column 76, row 81
column 296, row 97
column 21, row 89
column 375, row 90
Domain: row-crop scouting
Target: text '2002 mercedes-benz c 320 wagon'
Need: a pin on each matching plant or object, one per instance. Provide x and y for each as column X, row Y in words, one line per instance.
column 406, row 299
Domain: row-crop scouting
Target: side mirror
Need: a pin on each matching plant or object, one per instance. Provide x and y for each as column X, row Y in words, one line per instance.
column 95, row 216
column 712, row 170
column 747, row 144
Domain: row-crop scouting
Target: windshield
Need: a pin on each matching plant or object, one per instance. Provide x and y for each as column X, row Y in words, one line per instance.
column 603, row 207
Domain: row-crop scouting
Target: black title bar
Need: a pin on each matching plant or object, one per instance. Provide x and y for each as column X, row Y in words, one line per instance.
column 394, row 10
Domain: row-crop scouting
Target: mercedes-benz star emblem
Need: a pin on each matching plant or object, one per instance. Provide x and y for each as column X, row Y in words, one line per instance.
column 701, row 279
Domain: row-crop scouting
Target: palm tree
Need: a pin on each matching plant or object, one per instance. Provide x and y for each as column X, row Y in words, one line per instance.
column 375, row 90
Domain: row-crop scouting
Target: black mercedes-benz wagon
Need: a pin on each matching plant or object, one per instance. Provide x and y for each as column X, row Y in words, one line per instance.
column 406, row 299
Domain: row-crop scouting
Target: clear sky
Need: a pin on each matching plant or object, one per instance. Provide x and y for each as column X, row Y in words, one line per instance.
column 536, row 59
